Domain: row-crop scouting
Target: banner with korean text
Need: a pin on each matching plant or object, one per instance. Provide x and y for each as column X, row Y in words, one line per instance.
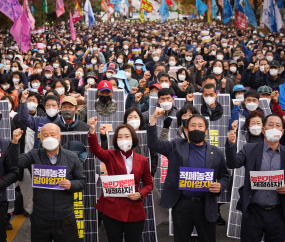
column 48, row 177
column 118, row 185
column 195, row 179
column 266, row 180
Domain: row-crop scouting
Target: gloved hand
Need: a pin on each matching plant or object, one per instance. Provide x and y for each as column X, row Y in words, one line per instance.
column 167, row 123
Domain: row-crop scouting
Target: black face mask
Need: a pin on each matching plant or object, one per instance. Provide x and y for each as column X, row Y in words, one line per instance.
column 67, row 114
column 104, row 99
column 240, row 67
column 196, row 136
column 189, row 42
column 182, row 55
column 184, row 122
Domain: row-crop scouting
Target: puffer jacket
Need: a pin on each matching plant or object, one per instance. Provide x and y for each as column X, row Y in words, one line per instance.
column 52, row 205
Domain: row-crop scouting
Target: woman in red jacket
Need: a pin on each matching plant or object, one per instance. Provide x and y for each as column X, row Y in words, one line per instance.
column 123, row 215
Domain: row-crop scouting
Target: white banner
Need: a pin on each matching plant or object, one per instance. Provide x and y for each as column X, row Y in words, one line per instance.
column 118, row 185
column 266, row 180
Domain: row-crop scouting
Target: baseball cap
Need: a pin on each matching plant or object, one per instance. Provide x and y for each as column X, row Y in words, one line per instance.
column 238, row 88
column 274, row 63
column 69, row 99
column 264, row 90
column 158, row 86
column 111, row 68
column 49, row 68
column 105, row 85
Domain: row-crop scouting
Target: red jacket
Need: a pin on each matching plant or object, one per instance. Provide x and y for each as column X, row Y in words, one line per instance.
column 277, row 109
column 122, row 209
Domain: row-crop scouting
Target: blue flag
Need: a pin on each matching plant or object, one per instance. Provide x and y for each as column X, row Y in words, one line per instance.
column 91, row 18
column 202, row 7
column 116, row 7
column 273, row 24
column 163, row 11
column 280, row 3
column 250, row 14
column 127, row 3
column 214, row 9
column 227, row 11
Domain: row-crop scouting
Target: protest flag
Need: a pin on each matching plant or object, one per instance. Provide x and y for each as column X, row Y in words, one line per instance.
column 241, row 20
column 45, row 8
column 163, row 11
column 227, row 11
column 29, row 14
column 250, row 14
column 21, row 32
column 77, row 14
column 202, row 7
column 59, row 8
column 12, row 11
column 72, row 31
column 271, row 16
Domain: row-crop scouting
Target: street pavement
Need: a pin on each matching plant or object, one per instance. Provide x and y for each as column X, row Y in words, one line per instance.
column 23, row 234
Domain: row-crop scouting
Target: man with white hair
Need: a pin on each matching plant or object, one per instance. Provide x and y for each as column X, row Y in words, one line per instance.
column 53, row 212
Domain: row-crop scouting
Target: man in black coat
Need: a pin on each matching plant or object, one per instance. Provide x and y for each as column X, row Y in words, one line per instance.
column 69, row 120
column 53, row 211
column 8, row 175
column 190, row 208
column 263, row 210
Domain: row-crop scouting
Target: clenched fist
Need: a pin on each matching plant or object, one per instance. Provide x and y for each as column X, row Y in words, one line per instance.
column 158, row 112
column 232, row 136
column 17, row 134
column 92, row 124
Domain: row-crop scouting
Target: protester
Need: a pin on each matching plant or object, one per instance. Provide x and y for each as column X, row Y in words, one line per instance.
column 116, row 220
column 52, row 208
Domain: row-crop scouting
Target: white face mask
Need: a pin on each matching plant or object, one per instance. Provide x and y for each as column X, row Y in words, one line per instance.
column 36, row 85
column 78, row 73
column 60, row 90
column 65, row 58
column 55, row 66
column 51, row 112
column 166, row 106
column 273, row 135
column 138, row 67
column 233, row 69
column 108, row 75
column 5, row 87
column 273, row 72
column 209, row 100
column 135, row 123
column 220, row 57
column 165, row 85
column 126, row 47
column 181, row 77
column 16, row 80
column 188, row 58
column 91, row 81
column 158, row 51
column 111, row 49
column 125, row 145
column 119, row 60
column 261, row 68
column 240, row 96
column 251, row 106
column 48, row 76
column 217, row 70
column 156, row 58
column 198, row 49
column 172, row 63
column 269, row 58
column 236, row 58
column 153, row 94
column 14, row 69
column 50, row 143
column 32, row 106
column 224, row 45
column 128, row 75
column 213, row 52
column 255, row 130
column 94, row 62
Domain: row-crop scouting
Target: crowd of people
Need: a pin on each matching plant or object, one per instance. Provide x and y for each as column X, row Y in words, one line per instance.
column 47, row 91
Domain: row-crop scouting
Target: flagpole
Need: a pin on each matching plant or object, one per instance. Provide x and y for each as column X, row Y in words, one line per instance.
column 21, row 31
